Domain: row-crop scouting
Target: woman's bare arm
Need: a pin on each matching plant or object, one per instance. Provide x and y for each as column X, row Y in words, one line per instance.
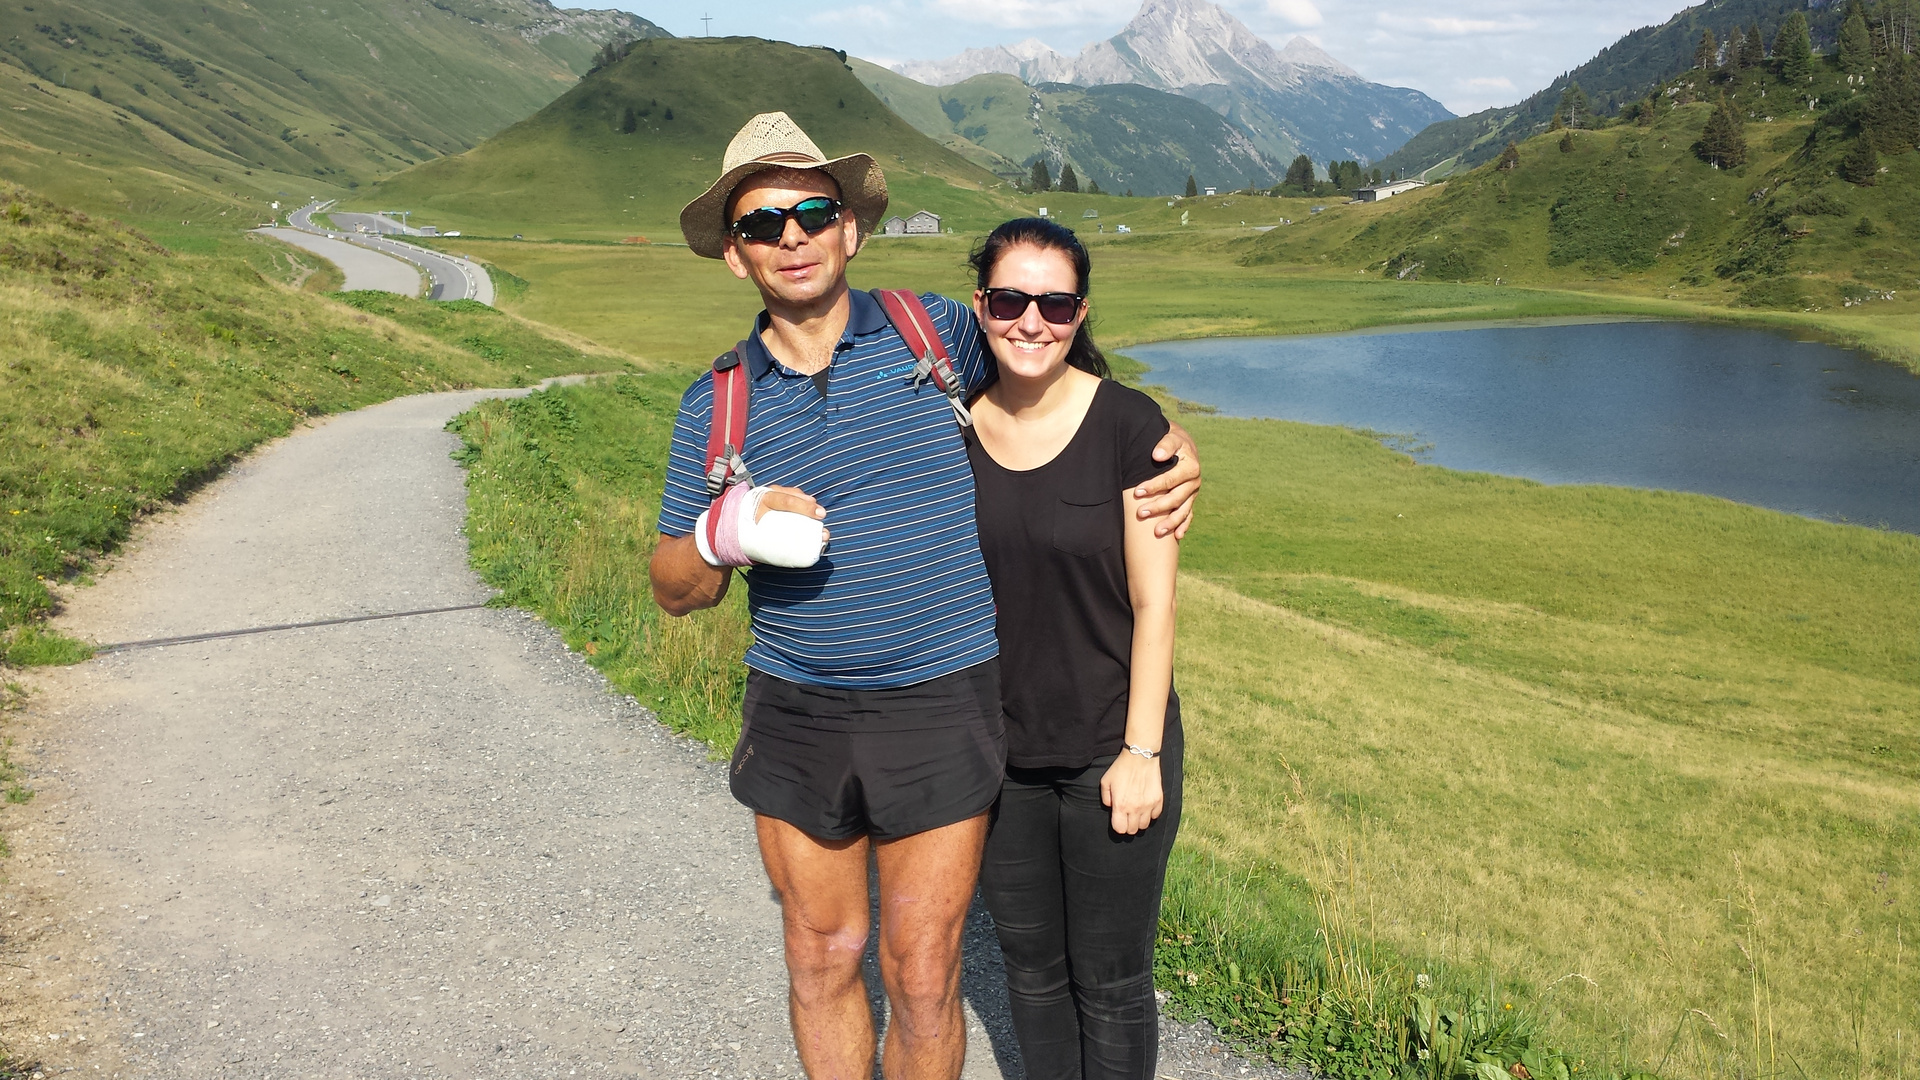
column 1131, row 786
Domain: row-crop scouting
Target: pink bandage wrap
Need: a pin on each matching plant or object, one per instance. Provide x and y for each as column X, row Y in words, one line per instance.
column 726, row 534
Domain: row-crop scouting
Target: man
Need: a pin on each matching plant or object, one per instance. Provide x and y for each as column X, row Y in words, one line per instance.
column 872, row 715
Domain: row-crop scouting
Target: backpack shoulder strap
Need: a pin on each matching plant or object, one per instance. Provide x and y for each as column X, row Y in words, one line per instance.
column 915, row 326
column 727, row 433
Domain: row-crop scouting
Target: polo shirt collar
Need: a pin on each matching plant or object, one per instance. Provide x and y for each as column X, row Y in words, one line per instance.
column 864, row 317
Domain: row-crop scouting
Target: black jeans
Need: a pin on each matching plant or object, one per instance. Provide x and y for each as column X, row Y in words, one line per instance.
column 1077, row 907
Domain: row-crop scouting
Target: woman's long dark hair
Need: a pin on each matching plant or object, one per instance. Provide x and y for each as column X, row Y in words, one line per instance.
column 1048, row 236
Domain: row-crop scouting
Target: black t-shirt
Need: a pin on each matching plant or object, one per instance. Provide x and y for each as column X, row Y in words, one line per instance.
column 1053, row 538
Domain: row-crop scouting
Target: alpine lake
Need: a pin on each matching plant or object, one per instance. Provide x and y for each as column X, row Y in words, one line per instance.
column 1748, row 415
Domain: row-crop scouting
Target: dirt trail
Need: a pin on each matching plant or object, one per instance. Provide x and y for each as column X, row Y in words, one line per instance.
column 428, row 846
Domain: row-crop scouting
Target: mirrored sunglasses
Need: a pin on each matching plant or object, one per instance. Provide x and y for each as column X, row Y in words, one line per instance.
column 765, row 225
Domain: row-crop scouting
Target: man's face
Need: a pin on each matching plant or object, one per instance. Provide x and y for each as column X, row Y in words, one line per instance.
column 797, row 270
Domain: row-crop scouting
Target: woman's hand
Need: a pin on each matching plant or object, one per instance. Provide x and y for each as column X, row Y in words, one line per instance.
column 1131, row 787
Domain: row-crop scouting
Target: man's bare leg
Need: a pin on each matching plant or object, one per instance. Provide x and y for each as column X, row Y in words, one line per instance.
column 823, row 900
column 926, row 885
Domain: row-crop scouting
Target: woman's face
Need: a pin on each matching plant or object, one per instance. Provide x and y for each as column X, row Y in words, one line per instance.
column 1030, row 346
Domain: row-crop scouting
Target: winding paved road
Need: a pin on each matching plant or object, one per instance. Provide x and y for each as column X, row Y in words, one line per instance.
column 451, row 277
column 362, row 269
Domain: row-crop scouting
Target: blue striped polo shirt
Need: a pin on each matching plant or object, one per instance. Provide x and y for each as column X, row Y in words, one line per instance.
column 901, row 595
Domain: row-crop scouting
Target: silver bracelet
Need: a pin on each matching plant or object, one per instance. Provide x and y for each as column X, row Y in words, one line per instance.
column 1142, row 751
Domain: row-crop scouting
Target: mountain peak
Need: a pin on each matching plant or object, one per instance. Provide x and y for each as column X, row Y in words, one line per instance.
column 1171, row 44
column 1303, row 53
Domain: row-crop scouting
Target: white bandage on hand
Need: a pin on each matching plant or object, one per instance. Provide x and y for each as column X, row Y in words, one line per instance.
column 746, row 536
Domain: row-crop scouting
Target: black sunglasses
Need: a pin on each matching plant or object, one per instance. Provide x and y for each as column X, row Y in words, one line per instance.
column 1058, row 308
column 767, row 224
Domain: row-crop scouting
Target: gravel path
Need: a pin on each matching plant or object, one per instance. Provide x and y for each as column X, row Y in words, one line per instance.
column 431, row 846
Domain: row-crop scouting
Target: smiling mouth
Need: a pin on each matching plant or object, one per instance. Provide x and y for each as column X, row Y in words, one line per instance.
column 1028, row 346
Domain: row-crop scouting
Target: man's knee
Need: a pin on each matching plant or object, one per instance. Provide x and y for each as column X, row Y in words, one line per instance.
column 824, row 952
column 924, row 1004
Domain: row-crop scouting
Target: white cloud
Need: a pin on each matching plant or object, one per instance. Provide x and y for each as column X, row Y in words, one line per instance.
column 1451, row 25
column 1296, row 12
column 1030, row 14
column 864, row 15
column 1494, row 82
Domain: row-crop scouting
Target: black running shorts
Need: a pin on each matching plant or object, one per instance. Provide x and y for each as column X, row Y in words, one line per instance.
column 837, row 764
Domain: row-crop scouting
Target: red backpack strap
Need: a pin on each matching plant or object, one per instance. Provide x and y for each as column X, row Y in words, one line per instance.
column 727, row 434
column 915, row 326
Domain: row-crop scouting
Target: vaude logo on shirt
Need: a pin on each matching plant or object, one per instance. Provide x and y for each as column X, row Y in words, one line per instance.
column 896, row 371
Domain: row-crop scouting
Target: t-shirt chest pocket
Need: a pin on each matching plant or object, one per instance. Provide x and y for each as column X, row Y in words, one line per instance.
column 1085, row 528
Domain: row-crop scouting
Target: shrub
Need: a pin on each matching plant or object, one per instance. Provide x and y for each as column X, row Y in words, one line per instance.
column 1861, row 166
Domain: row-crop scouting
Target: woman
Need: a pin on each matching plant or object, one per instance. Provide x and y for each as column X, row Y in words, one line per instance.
column 1078, row 849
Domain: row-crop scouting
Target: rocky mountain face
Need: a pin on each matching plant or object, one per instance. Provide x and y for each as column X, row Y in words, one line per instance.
column 1120, row 136
column 1287, row 101
column 1031, row 61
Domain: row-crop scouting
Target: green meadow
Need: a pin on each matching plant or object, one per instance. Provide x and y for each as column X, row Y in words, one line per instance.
column 1587, row 779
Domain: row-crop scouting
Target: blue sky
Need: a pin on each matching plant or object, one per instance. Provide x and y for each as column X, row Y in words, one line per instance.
column 1469, row 54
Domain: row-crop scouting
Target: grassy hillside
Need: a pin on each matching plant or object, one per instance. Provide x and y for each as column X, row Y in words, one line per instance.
column 1633, row 207
column 1621, row 73
column 129, row 375
column 572, row 170
column 165, row 109
column 1126, row 138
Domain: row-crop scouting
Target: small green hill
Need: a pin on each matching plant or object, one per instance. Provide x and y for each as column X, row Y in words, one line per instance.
column 169, row 109
column 1634, row 206
column 623, row 151
column 1123, row 137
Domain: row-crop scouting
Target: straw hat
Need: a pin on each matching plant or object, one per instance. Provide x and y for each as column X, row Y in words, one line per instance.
column 769, row 141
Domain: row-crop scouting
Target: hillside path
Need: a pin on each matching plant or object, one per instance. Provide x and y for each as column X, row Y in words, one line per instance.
column 433, row 845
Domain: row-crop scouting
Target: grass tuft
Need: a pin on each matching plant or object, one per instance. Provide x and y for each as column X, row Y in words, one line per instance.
column 34, row 646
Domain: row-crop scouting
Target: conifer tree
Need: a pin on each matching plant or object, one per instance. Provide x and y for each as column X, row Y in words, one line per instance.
column 1893, row 106
column 1573, row 105
column 1707, row 53
column 1042, row 180
column 1377, row 178
column 1856, row 44
column 1510, row 157
column 1723, row 144
column 1861, row 166
column 1069, row 180
column 1192, row 188
column 1300, row 173
column 628, row 121
column 1793, row 49
column 1566, row 142
column 1756, row 51
column 1093, row 188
